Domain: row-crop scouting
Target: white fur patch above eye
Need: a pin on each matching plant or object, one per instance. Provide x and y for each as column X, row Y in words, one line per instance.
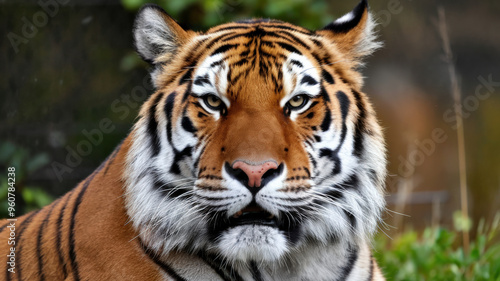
column 300, row 77
column 211, row 78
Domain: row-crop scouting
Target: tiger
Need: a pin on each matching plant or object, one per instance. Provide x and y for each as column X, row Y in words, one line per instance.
column 256, row 157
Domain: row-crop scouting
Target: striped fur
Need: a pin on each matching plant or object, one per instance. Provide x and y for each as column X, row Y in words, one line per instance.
column 168, row 205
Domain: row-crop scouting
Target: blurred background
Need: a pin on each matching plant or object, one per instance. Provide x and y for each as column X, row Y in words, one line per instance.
column 67, row 65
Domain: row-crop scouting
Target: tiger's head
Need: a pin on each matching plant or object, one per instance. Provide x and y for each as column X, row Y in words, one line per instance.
column 258, row 141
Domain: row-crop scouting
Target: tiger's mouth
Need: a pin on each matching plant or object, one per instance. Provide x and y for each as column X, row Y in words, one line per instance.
column 253, row 215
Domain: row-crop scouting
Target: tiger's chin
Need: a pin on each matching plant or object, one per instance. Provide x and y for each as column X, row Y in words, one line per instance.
column 254, row 234
column 253, row 242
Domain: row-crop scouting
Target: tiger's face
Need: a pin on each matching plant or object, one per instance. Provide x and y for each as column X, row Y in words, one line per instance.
column 258, row 141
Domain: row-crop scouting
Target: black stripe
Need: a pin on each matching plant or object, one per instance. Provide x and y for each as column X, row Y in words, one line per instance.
column 238, row 35
column 297, row 63
column 160, row 263
column 39, row 242
column 317, row 43
column 216, row 63
column 223, row 268
column 19, row 234
column 257, row 276
column 59, row 234
column 327, row 120
column 334, row 194
column 351, row 260
column 289, row 47
column 187, row 92
column 179, row 156
column 232, row 27
column 307, row 32
column 324, row 59
column 313, row 104
column 192, row 58
column 72, row 252
column 200, row 80
column 153, row 125
column 186, row 77
column 169, row 107
column 360, row 125
column 324, row 94
column 334, row 157
column 187, row 125
column 294, row 38
column 352, row 219
column 224, row 48
column 344, row 104
column 240, row 62
column 313, row 161
column 210, row 44
column 307, row 171
column 308, row 80
column 327, row 77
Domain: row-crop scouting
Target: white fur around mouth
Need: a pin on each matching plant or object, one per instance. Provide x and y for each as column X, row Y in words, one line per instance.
column 253, row 242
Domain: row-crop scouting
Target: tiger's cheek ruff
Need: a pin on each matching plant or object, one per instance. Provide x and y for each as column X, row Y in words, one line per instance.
column 348, row 163
column 158, row 192
column 348, row 169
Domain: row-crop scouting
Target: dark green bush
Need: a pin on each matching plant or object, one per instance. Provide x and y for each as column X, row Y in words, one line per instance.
column 27, row 197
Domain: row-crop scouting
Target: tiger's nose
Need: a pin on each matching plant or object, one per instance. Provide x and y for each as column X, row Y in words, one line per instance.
column 253, row 174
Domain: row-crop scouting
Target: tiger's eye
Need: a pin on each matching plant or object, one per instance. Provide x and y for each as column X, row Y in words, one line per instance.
column 297, row 102
column 213, row 102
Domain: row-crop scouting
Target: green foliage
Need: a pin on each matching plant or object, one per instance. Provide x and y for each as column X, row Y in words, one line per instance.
column 30, row 197
column 437, row 254
column 203, row 14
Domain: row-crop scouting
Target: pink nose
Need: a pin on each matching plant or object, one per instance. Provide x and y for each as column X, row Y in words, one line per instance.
column 255, row 172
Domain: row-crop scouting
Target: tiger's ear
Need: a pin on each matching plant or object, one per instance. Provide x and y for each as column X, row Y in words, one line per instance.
column 157, row 36
column 354, row 33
